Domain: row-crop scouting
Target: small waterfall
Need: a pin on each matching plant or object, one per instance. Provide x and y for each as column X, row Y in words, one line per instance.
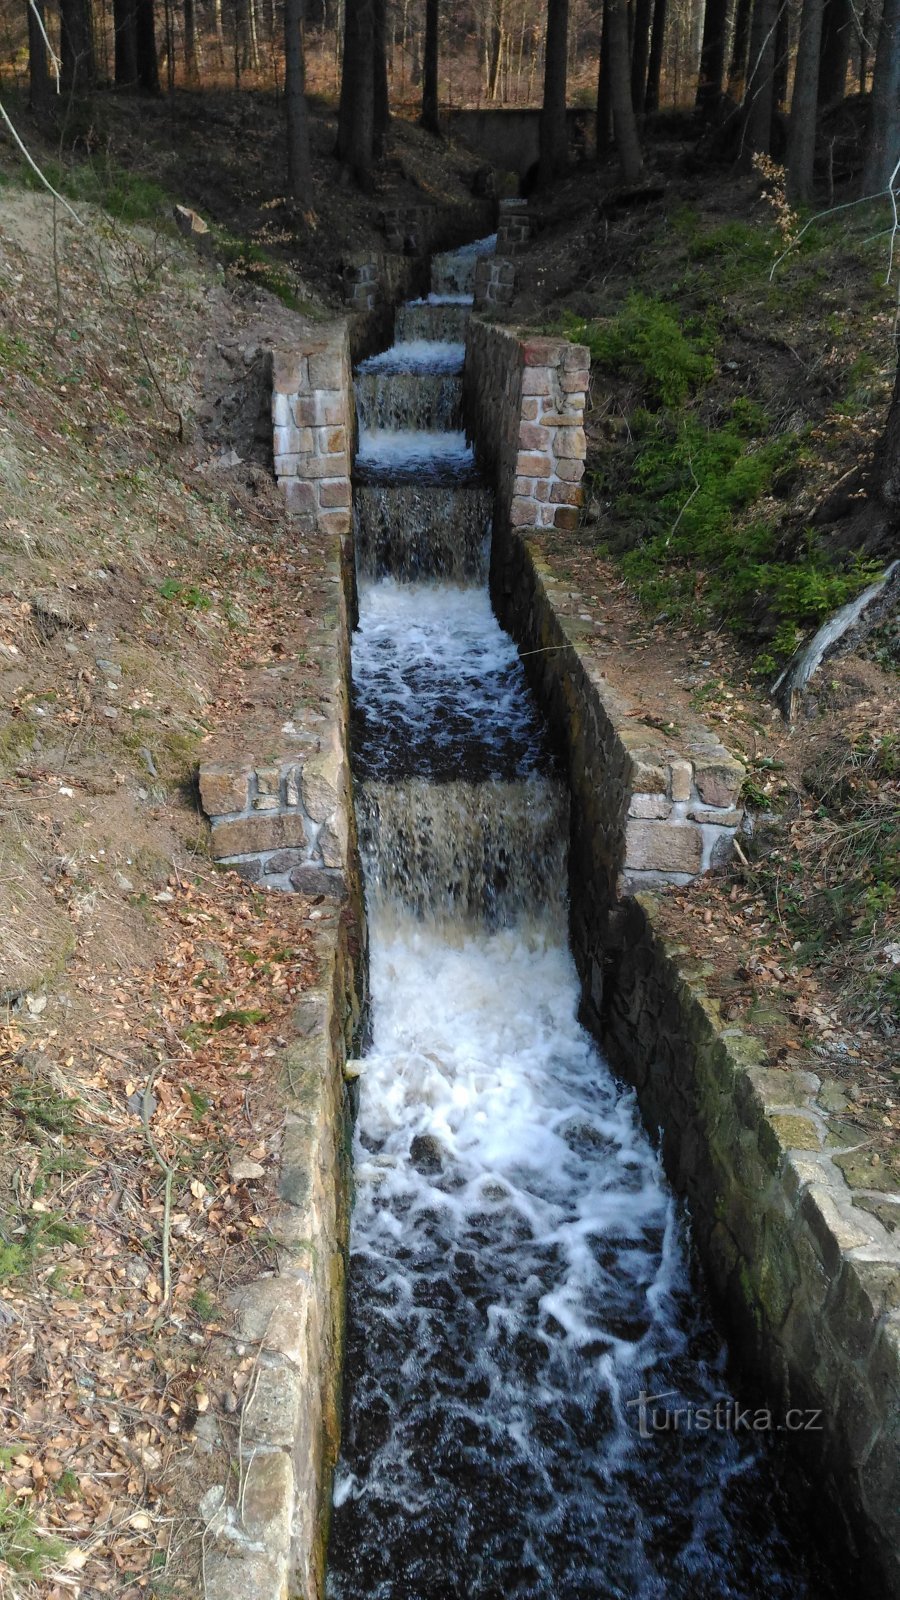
column 409, row 531
column 519, row 1275
column 480, row 852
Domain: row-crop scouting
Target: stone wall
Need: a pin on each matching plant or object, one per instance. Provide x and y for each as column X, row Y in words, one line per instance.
column 789, row 1221
column 805, row 1272
column 524, row 400
column 276, row 786
column 312, row 417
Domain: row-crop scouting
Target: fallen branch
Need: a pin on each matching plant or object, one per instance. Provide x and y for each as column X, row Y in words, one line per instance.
column 167, row 1207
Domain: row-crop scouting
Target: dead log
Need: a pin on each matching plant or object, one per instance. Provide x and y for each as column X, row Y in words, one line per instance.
column 840, row 633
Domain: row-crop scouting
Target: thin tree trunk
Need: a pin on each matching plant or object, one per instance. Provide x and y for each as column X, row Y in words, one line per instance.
column 801, row 148
column 640, row 52
column 145, row 43
column 782, row 57
column 624, row 123
column 712, row 56
column 864, row 34
column 740, row 45
column 381, row 111
column 39, row 88
column 191, row 74
column 553, row 136
column 654, row 65
column 220, row 32
column 884, row 128
column 356, row 116
column 604, row 130
column 298, row 153
column 760, row 90
column 430, row 118
column 837, row 24
column 76, row 46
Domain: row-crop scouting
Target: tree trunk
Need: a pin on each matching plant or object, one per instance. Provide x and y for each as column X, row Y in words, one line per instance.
column 740, row 45
column 191, row 73
column 553, row 136
column 381, row 111
column 298, row 154
column 640, row 52
column 624, row 124
column 430, row 119
column 712, row 56
column 864, row 34
column 125, row 43
column 604, row 129
column 759, row 94
column 76, row 46
column 39, row 90
column 782, row 57
column 356, row 116
column 654, row 65
column 884, row 128
column 145, row 41
column 801, row 148
column 837, row 24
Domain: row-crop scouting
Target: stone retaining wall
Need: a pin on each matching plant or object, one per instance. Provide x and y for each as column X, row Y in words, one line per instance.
column 276, row 787
column 790, row 1224
column 312, row 417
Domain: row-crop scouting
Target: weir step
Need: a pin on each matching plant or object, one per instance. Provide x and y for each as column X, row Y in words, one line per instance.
column 426, row 400
column 415, row 530
column 422, row 320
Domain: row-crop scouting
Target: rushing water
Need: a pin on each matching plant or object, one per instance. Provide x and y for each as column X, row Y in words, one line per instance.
column 519, row 1270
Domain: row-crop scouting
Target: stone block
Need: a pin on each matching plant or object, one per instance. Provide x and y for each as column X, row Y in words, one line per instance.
column 531, row 465
column 575, row 383
column 290, row 371
column 272, row 1411
column 713, row 814
column 575, row 357
column 300, row 496
column 303, row 411
column 525, row 486
column 223, row 788
column 541, row 351
column 662, row 847
column 571, row 443
column 245, row 1575
column 562, row 419
column 334, row 522
column 534, row 437
column 260, row 832
column 323, row 783
column 336, row 466
column 283, row 860
column 334, row 839
column 330, row 407
column 542, row 488
column 719, row 779
column 536, row 380
column 566, row 518
column 281, row 411
column 681, row 775
column 522, row 512
column 571, row 471
column 565, row 494
column 334, row 493
column 646, row 773
column 649, row 807
column 267, row 1501
column 314, row 880
column 530, row 409
column 330, row 441
column 326, row 368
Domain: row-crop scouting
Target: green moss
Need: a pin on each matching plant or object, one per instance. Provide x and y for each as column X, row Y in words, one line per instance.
column 24, row 1551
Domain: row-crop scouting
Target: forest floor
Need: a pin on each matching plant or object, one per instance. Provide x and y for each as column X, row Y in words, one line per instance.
column 148, row 576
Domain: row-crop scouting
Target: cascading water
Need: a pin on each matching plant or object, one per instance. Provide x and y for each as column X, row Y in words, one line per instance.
column 519, row 1271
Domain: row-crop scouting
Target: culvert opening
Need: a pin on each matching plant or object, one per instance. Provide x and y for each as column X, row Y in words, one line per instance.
column 536, row 1399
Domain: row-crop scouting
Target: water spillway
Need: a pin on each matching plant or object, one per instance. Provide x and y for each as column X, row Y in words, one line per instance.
column 520, row 1274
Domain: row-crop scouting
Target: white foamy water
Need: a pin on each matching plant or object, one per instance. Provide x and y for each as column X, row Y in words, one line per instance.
column 418, row 355
column 517, row 1277
column 438, row 686
column 404, row 449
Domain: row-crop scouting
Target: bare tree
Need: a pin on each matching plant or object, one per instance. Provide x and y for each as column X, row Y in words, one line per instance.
column 76, row 46
column 640, row 52
column 624, row 123
column 837, row 29
column 356, row 114
column 39, row 90
column 740, row 45
column 654, row 65
column 712, row 56
column 759, row 94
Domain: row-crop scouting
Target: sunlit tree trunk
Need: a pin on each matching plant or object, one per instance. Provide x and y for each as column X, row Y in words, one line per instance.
column 740, row 45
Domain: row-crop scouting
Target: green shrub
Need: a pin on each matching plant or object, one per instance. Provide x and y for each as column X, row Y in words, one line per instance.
column 647, row 341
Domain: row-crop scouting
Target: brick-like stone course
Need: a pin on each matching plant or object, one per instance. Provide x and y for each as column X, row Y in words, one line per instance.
column 313, row 423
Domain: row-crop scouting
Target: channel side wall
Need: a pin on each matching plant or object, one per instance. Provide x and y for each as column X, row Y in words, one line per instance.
column 276, row 789
column 806, row 1275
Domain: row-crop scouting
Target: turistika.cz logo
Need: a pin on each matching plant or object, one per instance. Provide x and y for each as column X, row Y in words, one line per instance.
column 720, row 1416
